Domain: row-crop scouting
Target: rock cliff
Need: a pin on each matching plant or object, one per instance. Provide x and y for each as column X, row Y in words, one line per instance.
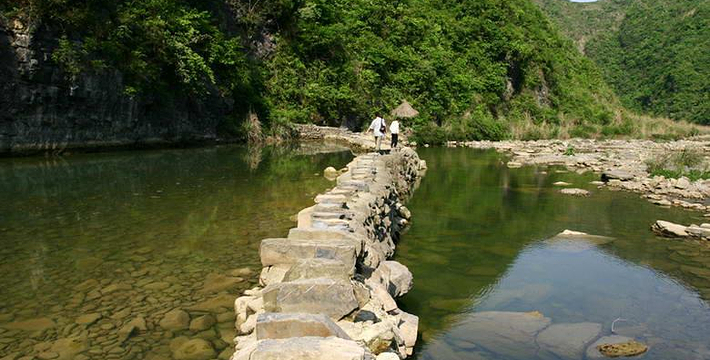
column 42, row 108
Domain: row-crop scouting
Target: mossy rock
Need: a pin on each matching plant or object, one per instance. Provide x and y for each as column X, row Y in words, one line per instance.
column 630, row 348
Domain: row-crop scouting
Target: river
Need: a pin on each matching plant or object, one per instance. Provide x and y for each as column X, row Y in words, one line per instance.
column 91, row 242
column 479, row 242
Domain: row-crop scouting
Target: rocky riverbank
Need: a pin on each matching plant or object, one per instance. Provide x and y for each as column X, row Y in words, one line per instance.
column 327, row 289
column 622, row 165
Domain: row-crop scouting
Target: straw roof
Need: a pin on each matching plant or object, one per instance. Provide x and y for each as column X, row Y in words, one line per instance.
column 404, row 110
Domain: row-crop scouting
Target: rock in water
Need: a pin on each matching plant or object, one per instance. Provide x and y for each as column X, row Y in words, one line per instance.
column 575, row 241
column 568, row 340
column 575, row 192
column 617, row 175
column 39, row 324
column 203, row 322
column 510, row 334
column 669, row 229
column 593, row 349
column 330, row 173
column 175, row 320
column 194, row 349
column 562, row 183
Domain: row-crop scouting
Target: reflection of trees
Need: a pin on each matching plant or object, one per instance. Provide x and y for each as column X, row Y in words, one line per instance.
column 473, row 216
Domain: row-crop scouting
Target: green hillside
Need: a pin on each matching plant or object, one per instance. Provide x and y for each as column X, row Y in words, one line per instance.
column 655, row 53
column 475, row 69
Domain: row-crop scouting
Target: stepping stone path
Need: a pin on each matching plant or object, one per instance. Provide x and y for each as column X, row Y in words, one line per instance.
column 333, row 266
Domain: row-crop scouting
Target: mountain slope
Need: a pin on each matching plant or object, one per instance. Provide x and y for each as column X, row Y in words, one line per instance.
column 655, row 53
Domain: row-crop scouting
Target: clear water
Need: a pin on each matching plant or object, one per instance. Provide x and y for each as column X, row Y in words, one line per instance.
column 478, row 243
column 136, row 234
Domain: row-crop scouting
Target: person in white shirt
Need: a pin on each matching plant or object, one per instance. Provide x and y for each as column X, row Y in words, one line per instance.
column 379, row 127
column 394, row 130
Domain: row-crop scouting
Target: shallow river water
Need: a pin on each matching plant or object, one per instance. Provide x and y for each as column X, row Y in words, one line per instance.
column 92, row 242
column 479, row 243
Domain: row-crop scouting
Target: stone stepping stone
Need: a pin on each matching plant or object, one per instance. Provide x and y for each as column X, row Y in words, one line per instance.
column 319, row 268
column 332, row 215
column 291, row 251
column 304, row 348
column 333, row 298
column 331, row 199
column 284, row 326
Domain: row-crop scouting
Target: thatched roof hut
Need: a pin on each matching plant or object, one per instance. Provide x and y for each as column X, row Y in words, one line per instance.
column 404, row 110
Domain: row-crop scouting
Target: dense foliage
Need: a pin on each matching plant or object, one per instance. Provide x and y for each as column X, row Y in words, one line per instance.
column 655, row 53
column 475, row 69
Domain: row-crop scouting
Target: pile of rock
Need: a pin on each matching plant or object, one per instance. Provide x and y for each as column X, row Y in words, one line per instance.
column 621, row 163
column 327, row 290
column 669, row 229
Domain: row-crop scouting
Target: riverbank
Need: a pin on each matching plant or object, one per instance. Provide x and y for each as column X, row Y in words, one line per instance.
column 622, row 165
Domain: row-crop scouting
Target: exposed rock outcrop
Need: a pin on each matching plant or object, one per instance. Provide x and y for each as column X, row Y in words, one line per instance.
column 44, row 109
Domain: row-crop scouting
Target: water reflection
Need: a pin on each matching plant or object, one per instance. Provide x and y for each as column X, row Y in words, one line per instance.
column 477, row 245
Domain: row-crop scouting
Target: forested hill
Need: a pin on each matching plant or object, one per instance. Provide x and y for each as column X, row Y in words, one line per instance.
column 475, row 69
column 655, row 53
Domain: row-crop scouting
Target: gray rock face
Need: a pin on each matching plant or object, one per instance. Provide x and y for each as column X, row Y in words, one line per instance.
column 304, row 348
column 312, row 296
column 283, row 326
column 567, row 340
column 510, row 334
column 43, row 111
column 291, row 251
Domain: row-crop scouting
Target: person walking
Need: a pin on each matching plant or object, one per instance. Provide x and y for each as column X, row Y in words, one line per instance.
column 394, row 130
column 379, row 128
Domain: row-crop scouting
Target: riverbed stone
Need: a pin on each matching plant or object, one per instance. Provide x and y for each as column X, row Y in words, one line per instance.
column 568, row 340
column 216, row 282
column 593, row 351
column 287, row 325
column 37, row 324
column 303, row 348
column 510, row 334
column 313, row 296
column 214, row 304
column 88, row 319
column 175, row 319
column 68, row 348
column 194, row 349
column 201, row 323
